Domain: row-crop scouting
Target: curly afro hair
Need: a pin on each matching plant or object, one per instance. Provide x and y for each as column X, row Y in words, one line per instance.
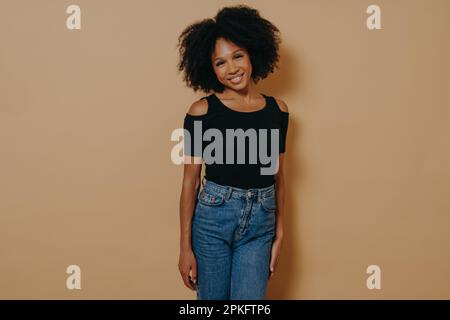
column 239, row 24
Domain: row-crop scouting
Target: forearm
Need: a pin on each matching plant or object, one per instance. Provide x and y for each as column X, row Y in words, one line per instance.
column 187, row 207
column 280, row 196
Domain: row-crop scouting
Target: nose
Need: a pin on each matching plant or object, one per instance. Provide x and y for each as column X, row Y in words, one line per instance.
column 233, row 69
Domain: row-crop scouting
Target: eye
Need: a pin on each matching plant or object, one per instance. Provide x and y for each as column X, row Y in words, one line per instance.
column 239, row 56
column 219, row 63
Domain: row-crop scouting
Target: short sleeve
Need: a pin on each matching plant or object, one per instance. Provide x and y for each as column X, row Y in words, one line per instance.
column 193, row 142
column 283, row 130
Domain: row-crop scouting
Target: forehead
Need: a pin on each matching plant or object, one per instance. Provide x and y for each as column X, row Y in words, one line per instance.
column 224, row 47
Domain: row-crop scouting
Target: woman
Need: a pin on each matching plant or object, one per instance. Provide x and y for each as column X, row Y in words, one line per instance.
column 232, row 230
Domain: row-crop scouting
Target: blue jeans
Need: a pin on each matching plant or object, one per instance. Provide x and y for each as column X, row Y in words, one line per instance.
column 232, row 234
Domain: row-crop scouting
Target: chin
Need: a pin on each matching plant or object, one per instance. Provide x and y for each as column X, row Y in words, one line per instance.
column 241, row 85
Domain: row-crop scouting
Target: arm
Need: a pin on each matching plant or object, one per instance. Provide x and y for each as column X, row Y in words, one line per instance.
column 190, row 187
column 191, row 183
column 189, row 191
column 280, row 184
column 280, row 196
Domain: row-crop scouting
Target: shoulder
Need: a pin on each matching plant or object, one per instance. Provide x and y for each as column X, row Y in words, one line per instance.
column 198, row 108
column 282, row 105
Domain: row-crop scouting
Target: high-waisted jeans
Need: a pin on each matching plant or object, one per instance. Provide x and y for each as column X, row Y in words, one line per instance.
column 232, row 234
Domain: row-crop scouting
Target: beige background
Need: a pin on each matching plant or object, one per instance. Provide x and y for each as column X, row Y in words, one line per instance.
column 86, row 176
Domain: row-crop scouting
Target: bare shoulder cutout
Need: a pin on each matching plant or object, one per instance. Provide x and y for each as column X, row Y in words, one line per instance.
column 198, row 108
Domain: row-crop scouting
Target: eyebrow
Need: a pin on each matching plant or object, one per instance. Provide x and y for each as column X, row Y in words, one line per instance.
column 231, row 53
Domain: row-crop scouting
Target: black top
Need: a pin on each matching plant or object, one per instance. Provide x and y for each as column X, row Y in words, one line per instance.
column 227, row 170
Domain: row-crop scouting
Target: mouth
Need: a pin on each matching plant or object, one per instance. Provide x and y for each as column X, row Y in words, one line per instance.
column 236, row 79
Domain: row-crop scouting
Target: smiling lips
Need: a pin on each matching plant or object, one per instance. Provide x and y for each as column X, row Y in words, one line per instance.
column 236, row 79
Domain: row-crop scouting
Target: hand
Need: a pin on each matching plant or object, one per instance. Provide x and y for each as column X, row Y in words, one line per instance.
column 186, row 264
column 276, row 249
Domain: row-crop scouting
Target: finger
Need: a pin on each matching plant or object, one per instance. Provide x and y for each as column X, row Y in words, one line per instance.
column 193, row 283
column 187, row 281
column 272, row 265
column 194, row 273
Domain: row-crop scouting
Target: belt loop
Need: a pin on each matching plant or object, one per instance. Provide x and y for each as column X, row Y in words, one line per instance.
column 228, row 195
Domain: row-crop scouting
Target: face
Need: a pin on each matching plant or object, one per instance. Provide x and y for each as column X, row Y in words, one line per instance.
column 231, row 64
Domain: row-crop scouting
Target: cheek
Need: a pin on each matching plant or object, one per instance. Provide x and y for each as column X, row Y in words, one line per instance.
column 220, row 72
column 247, row 63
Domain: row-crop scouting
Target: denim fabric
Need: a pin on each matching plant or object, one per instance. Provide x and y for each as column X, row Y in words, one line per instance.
column 232, row 234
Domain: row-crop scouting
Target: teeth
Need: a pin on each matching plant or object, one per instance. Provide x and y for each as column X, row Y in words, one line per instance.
column 236, row 79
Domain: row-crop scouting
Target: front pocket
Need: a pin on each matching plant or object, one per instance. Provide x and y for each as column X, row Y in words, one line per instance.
column 269, row 203
column 209, row 198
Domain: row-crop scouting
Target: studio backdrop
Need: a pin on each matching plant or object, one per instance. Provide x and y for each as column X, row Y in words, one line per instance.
column 90, row 96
